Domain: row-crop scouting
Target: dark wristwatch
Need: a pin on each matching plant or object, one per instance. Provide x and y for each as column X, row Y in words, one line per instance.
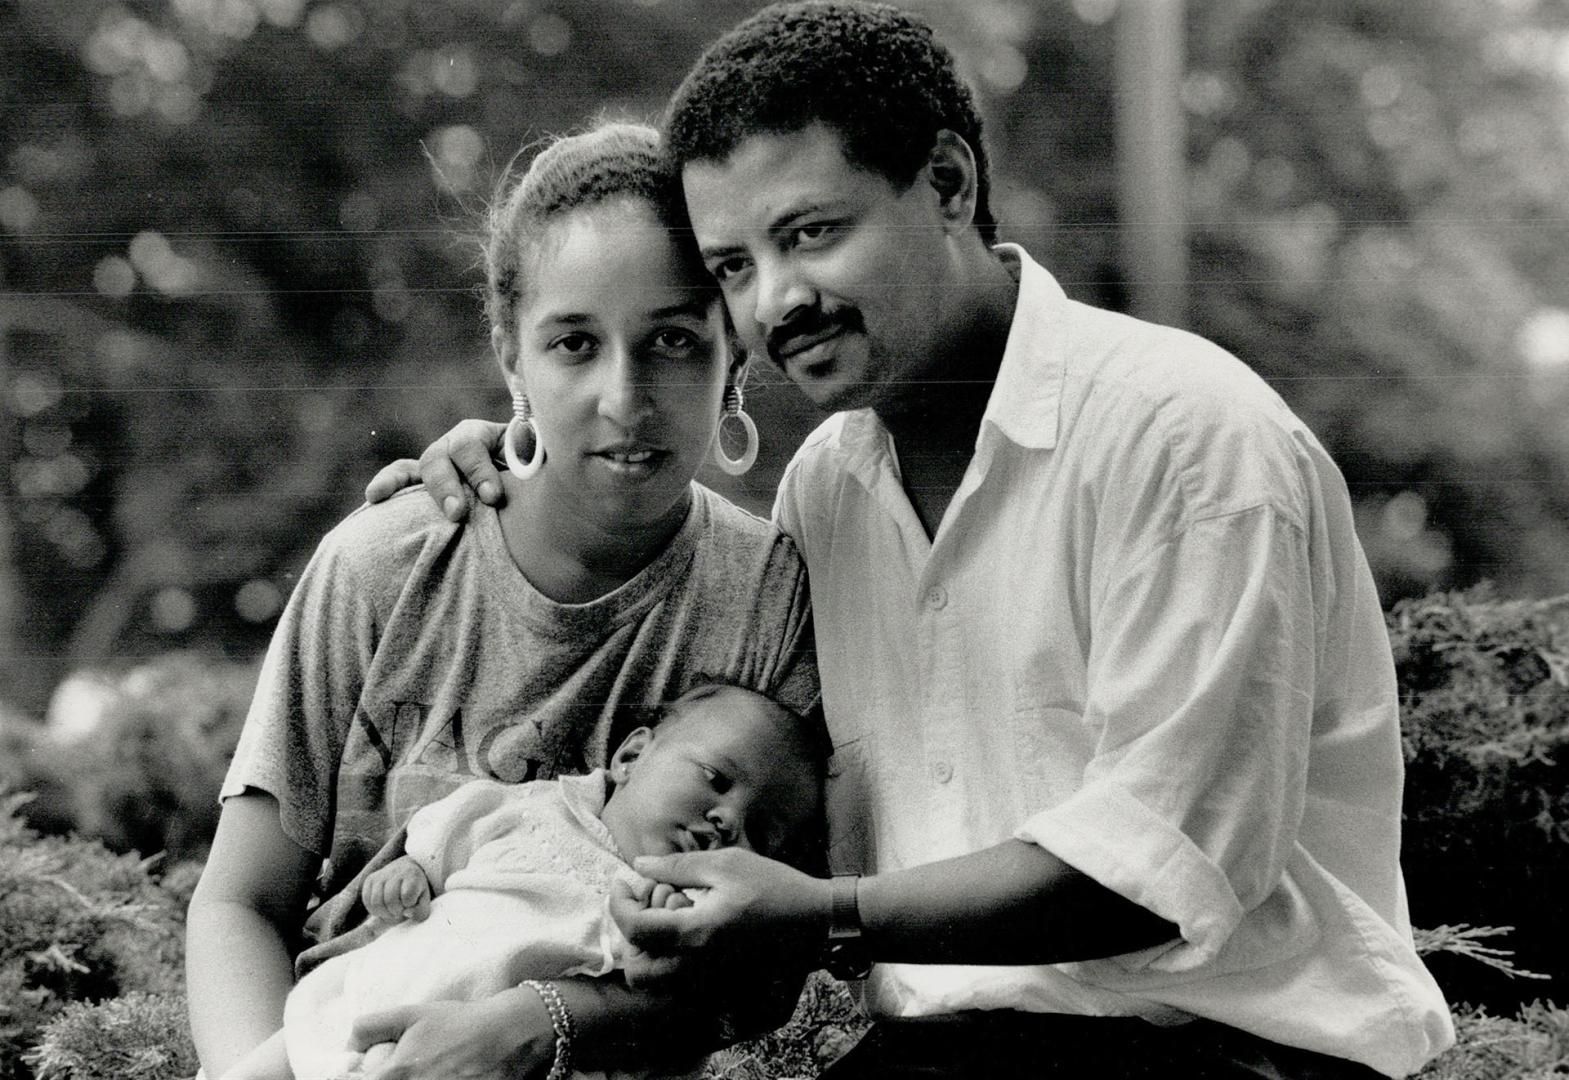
column 844, row 953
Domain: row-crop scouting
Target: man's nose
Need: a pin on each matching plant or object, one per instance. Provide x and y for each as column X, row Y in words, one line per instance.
column 782, row 294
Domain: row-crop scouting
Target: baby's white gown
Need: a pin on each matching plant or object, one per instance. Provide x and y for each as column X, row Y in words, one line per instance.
column 522, row 876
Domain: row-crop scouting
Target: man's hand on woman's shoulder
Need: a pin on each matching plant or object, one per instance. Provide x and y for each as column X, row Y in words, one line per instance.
column 459, row 462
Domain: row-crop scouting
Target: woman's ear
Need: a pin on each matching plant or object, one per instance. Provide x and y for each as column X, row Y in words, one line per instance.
column 951, row 171
column 505, row 346
column 740, row 364
column 631, row 748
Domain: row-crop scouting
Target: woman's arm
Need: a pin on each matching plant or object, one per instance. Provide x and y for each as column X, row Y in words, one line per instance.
column 508, row 1036
column 244, row 916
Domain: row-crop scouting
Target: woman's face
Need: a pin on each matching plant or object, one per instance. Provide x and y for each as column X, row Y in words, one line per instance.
column 621, row 351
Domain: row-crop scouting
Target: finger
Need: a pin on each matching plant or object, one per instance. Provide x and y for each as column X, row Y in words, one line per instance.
column 661, row 895
column 651, row 972
column 375, row 903
column 625, row 900
column 392, row 479
column 408, row 892
column 677, row 900
column 656, row 931
column 473, row 446
column 376, row 1056
column 421, row 910
column 442, row 482
column 385, row 1025
column 683, row 869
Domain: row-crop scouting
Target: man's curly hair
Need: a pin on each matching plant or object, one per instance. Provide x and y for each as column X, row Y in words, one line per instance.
column 875, row 74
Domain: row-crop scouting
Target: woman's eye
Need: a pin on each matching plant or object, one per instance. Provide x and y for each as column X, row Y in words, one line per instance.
column 574, row 344
column 716, row 779
column 810, row 233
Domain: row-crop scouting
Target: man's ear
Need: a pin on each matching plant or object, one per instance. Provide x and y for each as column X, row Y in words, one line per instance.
column 951, row 172
column 631, row 748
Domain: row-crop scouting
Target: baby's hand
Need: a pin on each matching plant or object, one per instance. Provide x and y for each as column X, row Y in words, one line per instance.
column 667, row 896
column 397, row 891
column 642, row 970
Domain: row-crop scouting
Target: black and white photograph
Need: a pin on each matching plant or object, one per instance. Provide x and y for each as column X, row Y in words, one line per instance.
column 713, row 540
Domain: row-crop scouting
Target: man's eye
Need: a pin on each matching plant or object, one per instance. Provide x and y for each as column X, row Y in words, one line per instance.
column 676, row 340
column 809, row 233
column 723, row 269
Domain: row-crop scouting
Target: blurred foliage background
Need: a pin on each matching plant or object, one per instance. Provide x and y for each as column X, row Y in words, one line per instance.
column 234, row 280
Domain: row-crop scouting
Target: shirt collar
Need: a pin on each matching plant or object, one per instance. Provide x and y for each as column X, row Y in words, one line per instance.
column 1027, row 395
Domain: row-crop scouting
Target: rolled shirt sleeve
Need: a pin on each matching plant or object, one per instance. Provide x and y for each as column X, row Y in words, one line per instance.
column 1200, row 686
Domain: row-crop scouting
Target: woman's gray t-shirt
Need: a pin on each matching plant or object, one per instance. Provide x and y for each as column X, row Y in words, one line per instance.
column 414, row 656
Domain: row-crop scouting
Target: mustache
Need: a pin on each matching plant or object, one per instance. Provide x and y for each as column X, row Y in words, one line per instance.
column 810, row 324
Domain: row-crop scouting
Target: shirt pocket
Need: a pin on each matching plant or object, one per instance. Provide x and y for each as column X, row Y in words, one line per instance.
column 1049, row 747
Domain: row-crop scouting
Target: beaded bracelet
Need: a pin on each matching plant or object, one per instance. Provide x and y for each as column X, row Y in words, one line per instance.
column 560, row 1023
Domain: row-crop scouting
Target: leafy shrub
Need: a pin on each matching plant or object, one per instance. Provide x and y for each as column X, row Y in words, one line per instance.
column 1533, row 1046
column 78, row 923
column 146, row 776
column 136, row 1037
column 826, row 1023
column 1484, row 688
column 90, row 946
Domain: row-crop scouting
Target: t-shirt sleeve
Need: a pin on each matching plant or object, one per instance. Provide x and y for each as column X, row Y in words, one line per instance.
column 1200, row 684
column 306, row 695
column 794, row 681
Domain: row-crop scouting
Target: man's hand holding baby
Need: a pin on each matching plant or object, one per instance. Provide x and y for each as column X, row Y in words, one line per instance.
column 747, row 905
column 640, row 969
column 397, row 891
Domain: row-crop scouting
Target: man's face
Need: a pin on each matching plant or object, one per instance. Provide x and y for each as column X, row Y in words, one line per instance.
column 831, row 269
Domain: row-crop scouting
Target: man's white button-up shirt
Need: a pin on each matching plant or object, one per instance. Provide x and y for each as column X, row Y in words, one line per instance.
column 1144, row 637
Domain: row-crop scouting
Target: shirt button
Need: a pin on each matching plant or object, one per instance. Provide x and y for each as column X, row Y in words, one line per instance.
column 942, row 772
column 936, row 597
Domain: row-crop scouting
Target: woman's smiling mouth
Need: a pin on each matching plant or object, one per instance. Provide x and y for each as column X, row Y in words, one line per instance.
column 630, row 460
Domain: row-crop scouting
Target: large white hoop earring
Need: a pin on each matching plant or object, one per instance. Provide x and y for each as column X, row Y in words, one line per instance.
column 732, row 408
column 522, row 418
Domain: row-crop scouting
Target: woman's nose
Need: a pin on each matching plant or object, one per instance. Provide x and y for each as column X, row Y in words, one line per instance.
column 623, row 392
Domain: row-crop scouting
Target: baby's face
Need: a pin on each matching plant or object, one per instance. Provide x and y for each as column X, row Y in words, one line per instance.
column 723, row 772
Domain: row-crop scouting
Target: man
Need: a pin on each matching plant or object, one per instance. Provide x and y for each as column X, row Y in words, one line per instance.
column 1113, row 709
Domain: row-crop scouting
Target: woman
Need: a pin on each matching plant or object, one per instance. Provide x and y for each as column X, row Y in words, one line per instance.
column 416, row 654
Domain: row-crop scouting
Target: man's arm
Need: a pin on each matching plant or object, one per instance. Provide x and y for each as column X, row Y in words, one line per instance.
column 460, row 461
column 1014, row 903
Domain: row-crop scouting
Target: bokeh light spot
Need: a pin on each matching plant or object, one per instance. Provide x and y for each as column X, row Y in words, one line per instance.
column 1544, row 339
column 18, row 209
column 550, row 35
column 173, row 610
column 333, row 26
column 258, row 601
column 32, row 392
column 114, row 276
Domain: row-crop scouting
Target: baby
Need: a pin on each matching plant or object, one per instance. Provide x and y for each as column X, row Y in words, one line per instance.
column 503, row 883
